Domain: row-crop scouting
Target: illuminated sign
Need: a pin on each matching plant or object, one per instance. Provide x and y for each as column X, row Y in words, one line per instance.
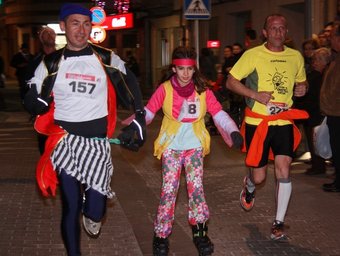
column 213, row 44
column 118, row 21
column 113, row 7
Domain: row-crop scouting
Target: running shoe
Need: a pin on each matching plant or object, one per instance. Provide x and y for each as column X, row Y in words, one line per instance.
column 247, row 199
column 277, row 233
column 91, row 227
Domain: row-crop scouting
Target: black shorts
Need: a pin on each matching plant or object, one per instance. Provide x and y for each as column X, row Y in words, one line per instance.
column 279, row 138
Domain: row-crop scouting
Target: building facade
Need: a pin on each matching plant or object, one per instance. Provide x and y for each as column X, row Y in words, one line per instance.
column 160, row 26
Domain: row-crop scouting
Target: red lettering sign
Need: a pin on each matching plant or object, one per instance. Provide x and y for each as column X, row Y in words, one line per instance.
column 118, row 21
column 213, row 44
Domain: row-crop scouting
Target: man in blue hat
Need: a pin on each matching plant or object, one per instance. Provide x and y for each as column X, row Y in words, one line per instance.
column 74, row 93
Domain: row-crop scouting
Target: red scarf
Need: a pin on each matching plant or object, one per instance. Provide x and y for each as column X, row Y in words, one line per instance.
column 183, row 91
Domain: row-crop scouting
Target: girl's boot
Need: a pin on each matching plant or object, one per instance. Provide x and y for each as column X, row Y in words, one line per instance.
column 201, row 240
column 160, row 246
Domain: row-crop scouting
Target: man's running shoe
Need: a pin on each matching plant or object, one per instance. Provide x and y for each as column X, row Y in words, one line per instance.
column 277, row 233
column 91, row 227
column 247, row 199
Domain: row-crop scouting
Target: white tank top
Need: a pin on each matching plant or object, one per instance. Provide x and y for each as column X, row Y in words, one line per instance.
column 80, row 89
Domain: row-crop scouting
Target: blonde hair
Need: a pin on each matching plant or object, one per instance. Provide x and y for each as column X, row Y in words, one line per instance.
column 324, row 54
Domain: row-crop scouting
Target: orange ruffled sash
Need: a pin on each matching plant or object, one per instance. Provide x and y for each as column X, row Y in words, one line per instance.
column 255, row 150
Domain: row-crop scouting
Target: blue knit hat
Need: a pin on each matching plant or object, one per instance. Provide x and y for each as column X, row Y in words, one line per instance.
column 69, row 9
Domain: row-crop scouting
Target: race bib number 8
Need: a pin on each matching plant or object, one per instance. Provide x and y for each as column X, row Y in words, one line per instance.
column 190, row 110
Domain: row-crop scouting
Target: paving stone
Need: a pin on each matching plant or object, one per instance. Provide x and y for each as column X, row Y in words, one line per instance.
column 30, row 223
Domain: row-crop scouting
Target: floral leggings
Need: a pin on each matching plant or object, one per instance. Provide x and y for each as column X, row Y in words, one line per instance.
column 172, row 162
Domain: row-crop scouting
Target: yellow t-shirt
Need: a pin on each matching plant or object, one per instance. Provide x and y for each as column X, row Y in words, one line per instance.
column 265, row 70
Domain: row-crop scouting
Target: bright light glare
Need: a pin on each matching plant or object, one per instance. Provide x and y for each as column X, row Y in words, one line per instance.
column 56, row 28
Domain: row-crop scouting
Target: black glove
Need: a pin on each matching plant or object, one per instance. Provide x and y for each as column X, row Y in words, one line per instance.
column 133, row 136
column 34, row 104
column 237, row 139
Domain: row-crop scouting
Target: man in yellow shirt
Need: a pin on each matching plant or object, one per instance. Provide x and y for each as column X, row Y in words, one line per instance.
column 275, row 73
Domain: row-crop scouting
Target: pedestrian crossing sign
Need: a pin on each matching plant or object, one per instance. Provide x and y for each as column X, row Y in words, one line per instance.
column 197, row 9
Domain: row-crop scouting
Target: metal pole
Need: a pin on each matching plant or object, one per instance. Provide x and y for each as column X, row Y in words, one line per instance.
column 309, row 18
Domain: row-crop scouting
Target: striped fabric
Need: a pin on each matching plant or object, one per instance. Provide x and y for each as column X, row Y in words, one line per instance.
column 86, row 159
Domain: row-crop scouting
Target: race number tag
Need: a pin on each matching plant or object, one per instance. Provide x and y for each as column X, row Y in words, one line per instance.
column 274, row 108
column 81, row 84
column 189, row 109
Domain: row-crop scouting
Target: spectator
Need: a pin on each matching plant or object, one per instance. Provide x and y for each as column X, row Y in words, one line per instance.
column 229, row 61
column 237, row 103
column 311, row 103
column 330, row 106
column 132, row 63
column 207, row 64
column 237, row 51
column 251, row 39
column 308, row 47
column 324, row 35
column 47, row 40
column 20, row 61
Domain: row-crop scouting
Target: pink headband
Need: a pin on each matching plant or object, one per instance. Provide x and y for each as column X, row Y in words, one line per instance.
column 184, row 62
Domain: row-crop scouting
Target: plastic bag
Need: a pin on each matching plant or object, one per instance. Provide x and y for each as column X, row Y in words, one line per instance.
column 321, row 140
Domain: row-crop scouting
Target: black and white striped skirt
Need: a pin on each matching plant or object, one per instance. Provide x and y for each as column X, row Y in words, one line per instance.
column 88, row 160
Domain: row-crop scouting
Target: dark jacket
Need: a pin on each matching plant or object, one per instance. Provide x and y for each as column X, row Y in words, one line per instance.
column 126, row 86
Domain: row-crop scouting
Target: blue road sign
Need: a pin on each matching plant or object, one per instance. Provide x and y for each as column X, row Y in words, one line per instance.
column 98, row 15
column 197, row 9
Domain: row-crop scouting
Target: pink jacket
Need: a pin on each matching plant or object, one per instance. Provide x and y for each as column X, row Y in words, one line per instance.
column 222, row 120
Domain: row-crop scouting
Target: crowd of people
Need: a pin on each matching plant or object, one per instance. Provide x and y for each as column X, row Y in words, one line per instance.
column 76, row 122
column 320, row 56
